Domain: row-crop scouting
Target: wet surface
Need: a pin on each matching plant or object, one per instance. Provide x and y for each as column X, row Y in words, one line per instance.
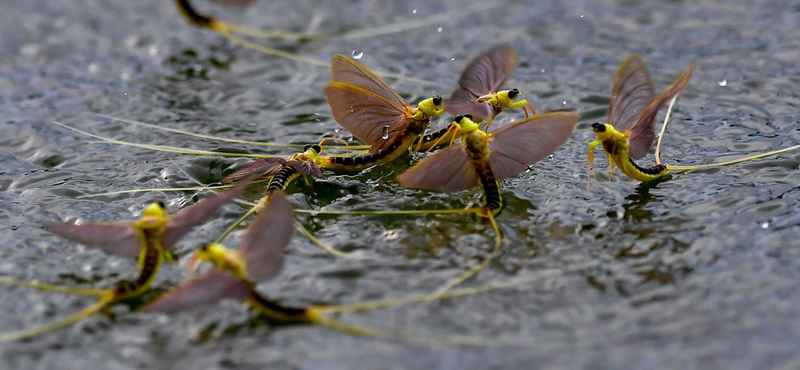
column 699, row 271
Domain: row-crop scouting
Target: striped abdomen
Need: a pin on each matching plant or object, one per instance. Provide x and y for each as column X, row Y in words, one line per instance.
column 282, row 179
column 151, row 262
column 276, row 311
column 491, row 190
column 360, row 162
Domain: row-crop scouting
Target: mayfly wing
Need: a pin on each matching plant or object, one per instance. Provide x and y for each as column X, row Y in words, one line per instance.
column 262, row 247
column 489, row 71
column 523, row 143
column 462, row 102
column 369, row 116
column 642, row 133
column 306, row 168
column 633, row 92
column 119, row 238
column 259, row 168
column 449, row 170
column 346, row 70
column 208, row 288
column 180, row 223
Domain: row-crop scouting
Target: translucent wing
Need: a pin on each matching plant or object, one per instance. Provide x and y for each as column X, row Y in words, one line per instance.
column 489, row 71
column 523, row 143
column 633, row 92
column 449, row 170
column 371, row 117
column 263, row 245
column 119, row 238
column 306, row 168
column 463, row 102
column 180, row 223
column 208, row 288
column 641, row 134
column 259, row 168
column 346, row 70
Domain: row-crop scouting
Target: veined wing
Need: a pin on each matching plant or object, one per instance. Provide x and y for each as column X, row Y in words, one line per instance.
column 262, row 247
column 463, row 102
column 306, row 168
column 369, row 116
column 346, row 70
column 119, row 238
column 449, row 170
column 489, row 71
column 259, row 168
column 208, row 288
column 633, row 92
column 523, row 143
column 642, row 133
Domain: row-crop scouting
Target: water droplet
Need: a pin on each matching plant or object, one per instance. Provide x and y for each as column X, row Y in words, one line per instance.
column 336, row 130
column 581, row 15
column 414, row 11
column 385, row 132
column 153, row 50
column 358, row 54
column 439, row 29
column 722, row 82
column 542, row 70
column 564, row 102
column 551, row 156
column 453, row 58
column 316, row 114
column 765, row 225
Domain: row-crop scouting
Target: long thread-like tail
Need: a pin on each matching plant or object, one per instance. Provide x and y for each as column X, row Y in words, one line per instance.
column 734, row 161
column 55, row 288
column 104, row 301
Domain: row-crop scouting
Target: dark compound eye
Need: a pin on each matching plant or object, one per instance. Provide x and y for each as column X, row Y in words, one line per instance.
column 437, row 100
column 307, row 147
column 597, row 126
column 316, row 148
column 160, row 204
column 513, row 93
column 468, row 116
column 459, row 118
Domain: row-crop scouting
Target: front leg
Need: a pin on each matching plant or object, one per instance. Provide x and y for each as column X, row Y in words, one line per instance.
column 592, row 146
column 610, row 166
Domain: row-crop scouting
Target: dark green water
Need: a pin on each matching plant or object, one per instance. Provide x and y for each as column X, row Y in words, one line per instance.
column 701, row 271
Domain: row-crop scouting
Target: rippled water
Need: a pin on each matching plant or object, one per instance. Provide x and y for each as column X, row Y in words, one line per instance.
column 700, row 271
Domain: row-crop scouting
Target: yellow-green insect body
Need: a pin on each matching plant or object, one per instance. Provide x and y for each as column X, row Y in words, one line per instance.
column 615, row 144
column 224, row 259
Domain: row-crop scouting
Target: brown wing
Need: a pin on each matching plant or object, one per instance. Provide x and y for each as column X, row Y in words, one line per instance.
column 642, row 133
column 633, row 92
column 180, row 223
column 259, row 168
column 449, row 170
column 262, row 247
column 346, row 70
column 369, row 116
column 208, row 288
column 463, row 102
column 306, row 168
column 489, row 71
column 119, row 238
column 523, row 143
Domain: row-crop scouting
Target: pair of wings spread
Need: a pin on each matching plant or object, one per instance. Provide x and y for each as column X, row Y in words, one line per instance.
column 634, row 106
column 511, row 150
column 262, row 250
column 371, row 110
